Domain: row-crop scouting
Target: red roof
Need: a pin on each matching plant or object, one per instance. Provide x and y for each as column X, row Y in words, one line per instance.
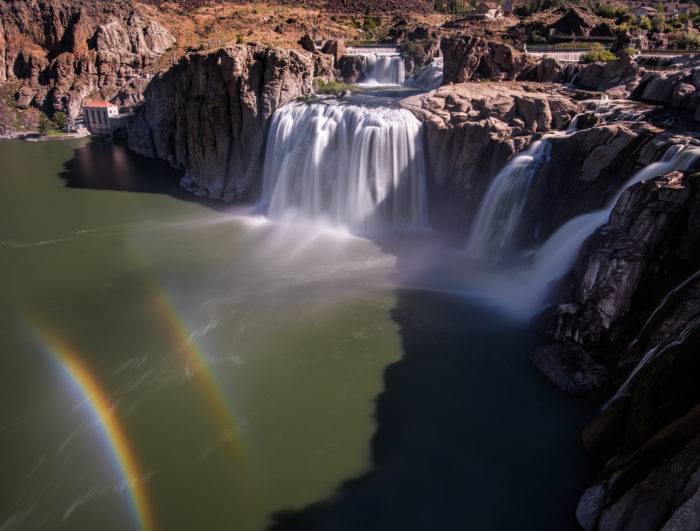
column 97, row 103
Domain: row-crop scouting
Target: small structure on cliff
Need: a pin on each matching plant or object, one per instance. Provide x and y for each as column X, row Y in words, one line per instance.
column 489, row 9
column 101, row 117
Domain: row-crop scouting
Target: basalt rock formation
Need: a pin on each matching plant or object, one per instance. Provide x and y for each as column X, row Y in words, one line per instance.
column 208, row 114
column 60, row 52
column 471, row 130
column 631, row 318
column 674, row 82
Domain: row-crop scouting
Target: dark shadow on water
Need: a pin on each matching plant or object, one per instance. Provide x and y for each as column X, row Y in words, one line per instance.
column 469, row 435
column 102, row 165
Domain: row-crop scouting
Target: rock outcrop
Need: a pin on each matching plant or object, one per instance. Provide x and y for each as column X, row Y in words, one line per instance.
column 471, row 130
column 630, row 320
column 674, row 82
column 469, row 58
column 60, row 52
column 208, row 114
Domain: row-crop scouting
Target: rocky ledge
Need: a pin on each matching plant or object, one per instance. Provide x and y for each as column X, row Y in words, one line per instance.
column 208, row 114
column 471, row 131
column 628, row 331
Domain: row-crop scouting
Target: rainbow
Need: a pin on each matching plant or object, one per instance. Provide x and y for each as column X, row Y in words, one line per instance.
column 85, row 381
column 196, row 364
column 198, row 368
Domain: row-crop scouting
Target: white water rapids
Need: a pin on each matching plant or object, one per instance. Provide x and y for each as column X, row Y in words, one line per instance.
column 383, row 66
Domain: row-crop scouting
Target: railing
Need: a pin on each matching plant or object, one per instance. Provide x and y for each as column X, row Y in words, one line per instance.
column 381, row 49
column 582, row 38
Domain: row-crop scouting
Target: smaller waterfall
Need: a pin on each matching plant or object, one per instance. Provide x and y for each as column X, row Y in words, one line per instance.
column 658, row 350
column 499, row 212
column 559, row 252
column 664, row 345
column 383, row 66
column 427, row 78
column 355, row 166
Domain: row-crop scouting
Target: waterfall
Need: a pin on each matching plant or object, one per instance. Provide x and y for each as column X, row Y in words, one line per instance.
column 558, row 254
column 499, row 213
column 658, row 350
column 383, row 66
column 427, row 78
column 355, row 166
column 664, row 345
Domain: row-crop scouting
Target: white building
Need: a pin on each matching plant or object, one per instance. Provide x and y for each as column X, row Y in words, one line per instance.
column 670, row 7
column 489, row 9
column 100, row 117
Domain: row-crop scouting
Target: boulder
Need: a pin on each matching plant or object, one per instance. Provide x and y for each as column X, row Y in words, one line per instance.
column 572, row 369
column 351, row 68
column 462, row 56
column 307, row 43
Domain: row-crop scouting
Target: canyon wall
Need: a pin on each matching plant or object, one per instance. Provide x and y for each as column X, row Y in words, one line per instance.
column 57, row 53
column 208, row 115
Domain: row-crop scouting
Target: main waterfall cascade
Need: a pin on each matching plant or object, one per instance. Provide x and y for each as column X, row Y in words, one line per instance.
column 354, row 166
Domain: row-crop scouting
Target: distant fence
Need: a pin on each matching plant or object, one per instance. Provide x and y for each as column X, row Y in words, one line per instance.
column 372, row 48
column 565, row 56
column 583, row 38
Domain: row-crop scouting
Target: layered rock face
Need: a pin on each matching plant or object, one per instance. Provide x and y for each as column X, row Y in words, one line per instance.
column 471, row 131
column 677, row 85
column 469, row 58
column 60, row 52
column 631, row 323
column 208, row 114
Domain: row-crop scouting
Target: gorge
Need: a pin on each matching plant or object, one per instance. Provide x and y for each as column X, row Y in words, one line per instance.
column 347, row 271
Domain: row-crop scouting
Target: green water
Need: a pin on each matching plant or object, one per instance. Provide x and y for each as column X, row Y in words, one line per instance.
column 243, row 364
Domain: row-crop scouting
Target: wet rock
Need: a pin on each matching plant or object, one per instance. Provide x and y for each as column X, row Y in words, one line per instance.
column 351, row 68
column 573, row 369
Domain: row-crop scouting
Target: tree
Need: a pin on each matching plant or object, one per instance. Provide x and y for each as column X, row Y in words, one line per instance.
column 61, row 120
column 45, row 125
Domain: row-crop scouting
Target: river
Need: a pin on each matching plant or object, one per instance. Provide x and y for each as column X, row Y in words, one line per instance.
column 174, row 364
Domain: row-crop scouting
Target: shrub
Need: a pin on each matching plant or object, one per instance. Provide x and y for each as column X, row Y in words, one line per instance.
column 644, row 23
column 46, row 126
column 61, row 120
column 598, row 54
column 332, row 87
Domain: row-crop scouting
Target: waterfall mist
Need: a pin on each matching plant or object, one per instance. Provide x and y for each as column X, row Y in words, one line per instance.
column 353, row 166
column 524, row 288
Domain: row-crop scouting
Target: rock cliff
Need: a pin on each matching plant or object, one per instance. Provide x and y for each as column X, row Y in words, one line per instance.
column 60, row 52
column 471, row 130
column 630, row 326
column 208, row 114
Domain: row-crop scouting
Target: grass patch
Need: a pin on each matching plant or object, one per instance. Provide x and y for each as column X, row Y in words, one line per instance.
column 332, row 87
